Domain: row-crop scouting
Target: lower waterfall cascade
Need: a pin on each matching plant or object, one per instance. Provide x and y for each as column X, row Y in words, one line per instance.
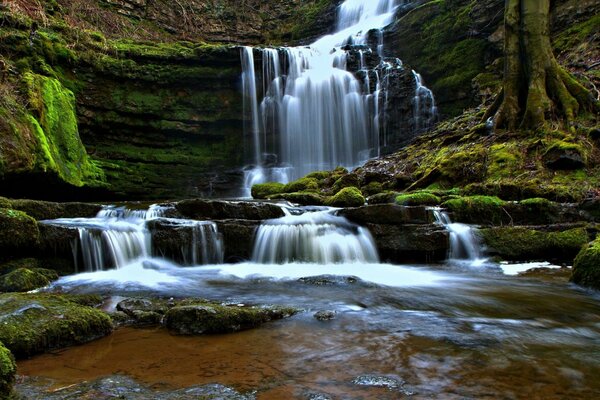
column 464, row 245
column 315, row 111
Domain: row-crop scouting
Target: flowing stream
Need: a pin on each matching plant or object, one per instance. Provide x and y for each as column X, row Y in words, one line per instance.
column 321, row 115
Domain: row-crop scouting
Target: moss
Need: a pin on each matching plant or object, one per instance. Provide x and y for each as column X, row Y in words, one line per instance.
column 586, row 269
column 265, row 190
column 302, row 185
column 55, row 127
column 372, row 188
column 8, row 371
column 33, row 324
column 347, row 197
column 18, row 231
column 319, row 175
column 524, row 244
column 576, row 35
column 24, row 280
column 503, row 160
column 418, row 199
column 477, row 209
column 302, row 198
column 383, row 198
column 200, row 318
column 561, row 154
column 344, row 181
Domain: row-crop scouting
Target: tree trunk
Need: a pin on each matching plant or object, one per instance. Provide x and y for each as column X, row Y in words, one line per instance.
column 535, row 88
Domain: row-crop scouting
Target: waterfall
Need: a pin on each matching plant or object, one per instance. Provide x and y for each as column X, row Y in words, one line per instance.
column 424, row 104
column 317, row 113
column 463, row 242
column 119, row 236
column 316, row 237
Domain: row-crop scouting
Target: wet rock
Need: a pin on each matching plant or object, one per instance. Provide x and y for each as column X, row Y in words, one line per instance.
column 325, row 315
column 196, row 319
column 238, row 238
column 387, row 214
column 31, row 324
column 19, row 233
column 24, row 279
column 558, row 158
column 143, row 312
column 56, row 247
column 330, row 280
column 392, row 384
column 217, row 210
column 402, row 244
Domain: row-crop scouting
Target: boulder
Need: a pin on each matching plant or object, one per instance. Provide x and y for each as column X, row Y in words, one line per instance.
column 19, row 233
column 400, row 244
column 216, row 210
column 200, row 318
column 24, row 280
column 387, row 214
column 8, row 371
column 586, row 269
column 32, row 324
column 42, row 210
column 238, row 238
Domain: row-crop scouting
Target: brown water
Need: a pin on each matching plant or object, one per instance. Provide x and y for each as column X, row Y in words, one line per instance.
column 488, row 337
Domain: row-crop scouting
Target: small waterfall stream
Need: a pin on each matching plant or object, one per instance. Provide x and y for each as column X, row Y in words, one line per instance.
column 313, row 237
column 464, row 245
column 321, row 115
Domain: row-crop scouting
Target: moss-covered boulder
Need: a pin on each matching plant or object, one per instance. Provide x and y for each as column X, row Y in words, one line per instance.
column 302, row 198
column 418, row 199
column 24, row 280
column 18, row 232
column 8, row 370
column 41, row 210
column 347, row 197
column 32, row 324
column 302, row 185
column 586, row 270
column 526, row 244
column 200, row 318
column 264, row 190
column 478, row 210
column 345, row 181
column 212, row 210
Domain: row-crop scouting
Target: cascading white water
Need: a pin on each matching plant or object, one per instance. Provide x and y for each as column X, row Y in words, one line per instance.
column 463, row 242
column 424, row 103
column 317, row 237
column 118, row 236
column 321, row 115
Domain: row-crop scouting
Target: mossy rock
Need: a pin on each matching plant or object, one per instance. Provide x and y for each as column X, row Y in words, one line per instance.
column 302, row 185
column 477, row 210
column 345, row 181
column 18, row 232
column 525, row 244
column 201, row 318
column 24, row 280
column 33, row 324
column 562, row 155
column 383, row 198
column 302, row 198
column 8, row 371
column 42, row 210
column 319, row 175
column 265, row 190
column 372, row 188
column 586, row 269
column 418, row 199
column 12, row 265
column 347, row 197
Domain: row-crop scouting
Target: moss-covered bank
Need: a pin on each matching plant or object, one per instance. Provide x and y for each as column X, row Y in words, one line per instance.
column 586, row 270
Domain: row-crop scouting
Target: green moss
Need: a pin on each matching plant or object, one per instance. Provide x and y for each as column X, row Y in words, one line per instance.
column 347, row 197
column 372, row 188
column 477, row 209
column 344, row 181
column 586, row 269
column 200, row 318
column 418, row 199
column 55, row 127
column 383, row 198
column 8, row 371
column 36, row 323
column 302, row 198
column 24, row 280
column 524, row 244
column 265, row 190
column 319, row 175
column 576, row 35
column 302, row 185
column 504, row 160
column 18, row 231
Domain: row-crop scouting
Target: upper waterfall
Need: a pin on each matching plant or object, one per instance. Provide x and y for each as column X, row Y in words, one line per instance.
column 315, row 114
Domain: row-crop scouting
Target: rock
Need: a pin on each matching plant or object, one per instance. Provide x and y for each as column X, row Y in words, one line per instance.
column 56, row 247
column 24, row 280
column 19, row 233
column 478, row 210
column 331, row 280
column 215, row 210
column 391, row 384
column 31, row 324
column 142, row 312
column 265, row 190
column 8, row 371
column 28, row 263
column 565, row 158
column 238, row 238
column 200, row 318
column 302, row 198
column 586, row 269
column 347, row 197
column 325, row 315
column 400, row 244
column 387, row 214
column 595, row 134
column 42, row 210
column 532, row 243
